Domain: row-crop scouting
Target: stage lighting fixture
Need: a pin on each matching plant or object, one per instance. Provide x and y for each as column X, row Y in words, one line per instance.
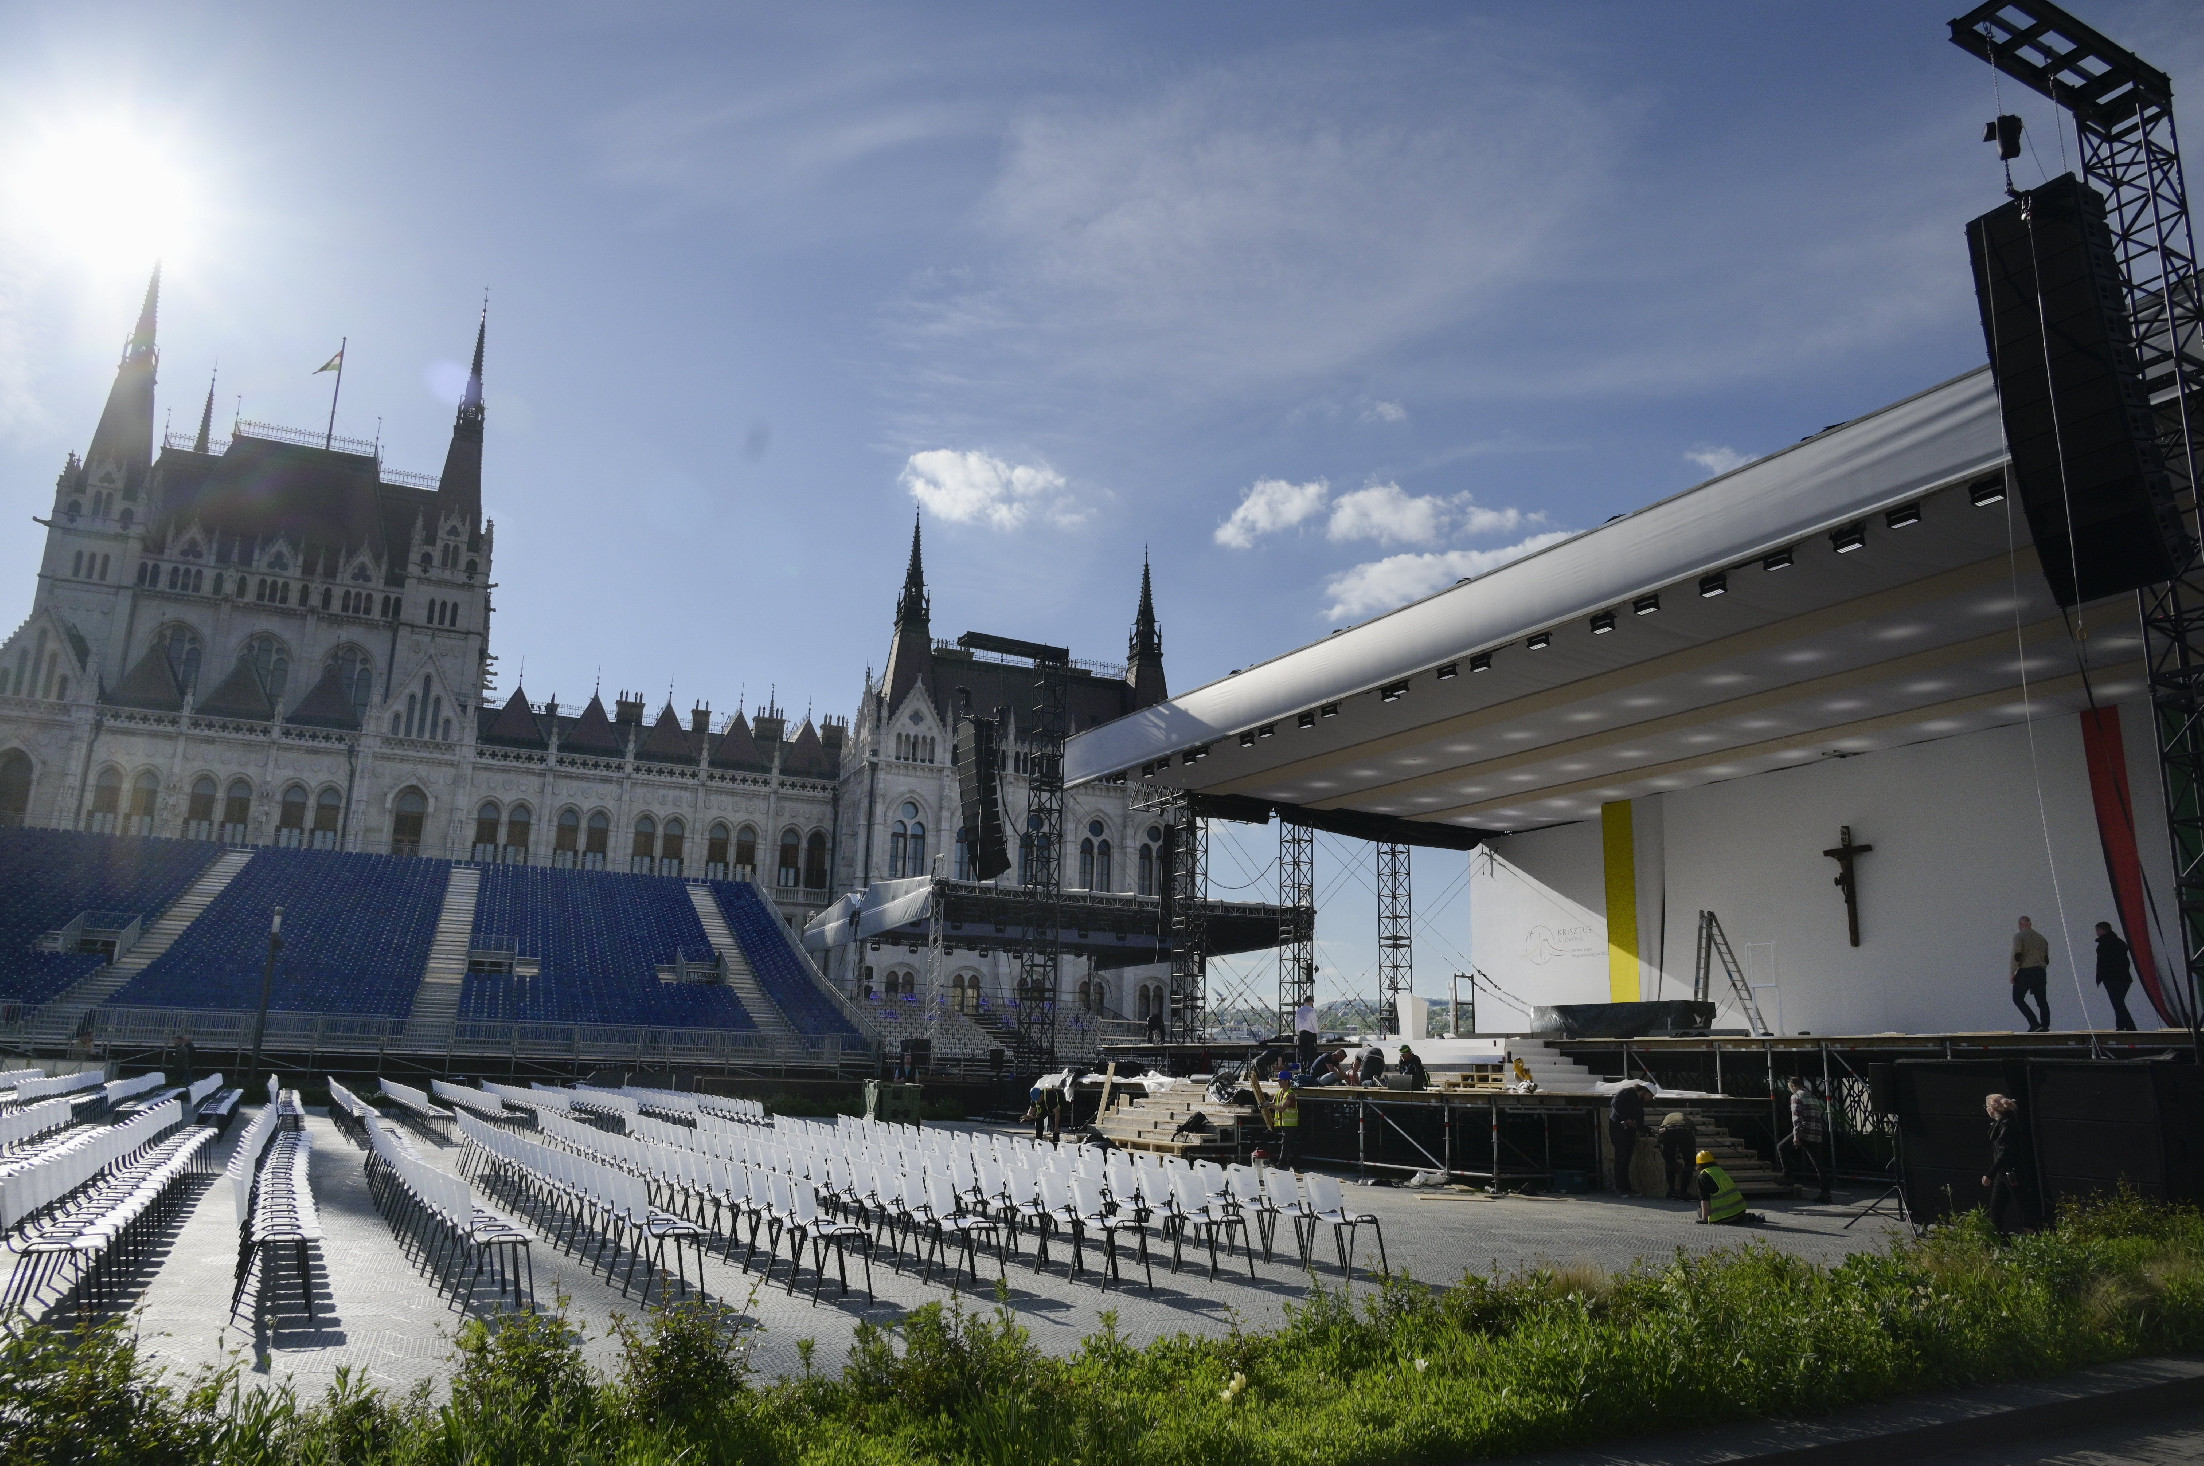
column 1717, row 584
column 876, row 946
column 1780, row 560
column 1538, row 640
column 1305, row 720
column 1268, row 730
column 1447, row 671
column 1482, row 662
column 1987, row 491
column 1603, row 623
column 1903, row 515
column 1247, row 740
column 1851, row 537
column 1393, row 692
column 1646, row 605
column 1195, row 754
column 1329, row 710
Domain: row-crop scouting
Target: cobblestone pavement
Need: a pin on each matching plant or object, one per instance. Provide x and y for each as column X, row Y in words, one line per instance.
column 375, row 1312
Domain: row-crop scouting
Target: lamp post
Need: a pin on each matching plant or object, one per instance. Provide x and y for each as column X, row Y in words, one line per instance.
column 267, row 981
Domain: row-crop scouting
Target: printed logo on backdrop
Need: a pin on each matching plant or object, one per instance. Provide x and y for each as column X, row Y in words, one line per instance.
column 1545, row 943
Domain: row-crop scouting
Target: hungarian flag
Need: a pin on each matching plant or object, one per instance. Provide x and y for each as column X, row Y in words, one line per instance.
column 334, row 364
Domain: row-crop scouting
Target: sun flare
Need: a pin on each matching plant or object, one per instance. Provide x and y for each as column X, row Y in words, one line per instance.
column 108, row 193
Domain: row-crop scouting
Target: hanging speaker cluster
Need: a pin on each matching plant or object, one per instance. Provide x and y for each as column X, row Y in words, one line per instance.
column 976, row 754
column 2078, row 422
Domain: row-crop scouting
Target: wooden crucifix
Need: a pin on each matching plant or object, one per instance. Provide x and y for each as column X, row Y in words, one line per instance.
column 1845, row 855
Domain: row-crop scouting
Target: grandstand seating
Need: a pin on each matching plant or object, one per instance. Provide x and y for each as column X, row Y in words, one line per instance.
column 356, row 934
column 49, row 877
column 780, row 969
column 600, row 938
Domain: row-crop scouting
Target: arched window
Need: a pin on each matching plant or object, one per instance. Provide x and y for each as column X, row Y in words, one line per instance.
column 408, row 813
column 1086, row 865
column 907, row 843
column 791, row 858
column 643, row 855
column 355, row 674
column 746, row 854
column 199, row 812
column 566, row 843
column 715, row 851
column 328, row 814
column 1033, row 851
column 815, row 859
column 486, row 821
column 179, row 645
column 237, row 810
column 597, row 844
column 1148, row 851
column 1102, row 881
column 270, row 659
column 519, row 821
column 291, row 818
column 145, row 792
column 673, row 847
column 15, row 788
column 964, row 853
column 106, row 813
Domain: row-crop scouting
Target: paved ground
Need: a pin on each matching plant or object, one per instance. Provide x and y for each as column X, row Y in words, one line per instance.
column 2160, row 1440
column 374, row 1311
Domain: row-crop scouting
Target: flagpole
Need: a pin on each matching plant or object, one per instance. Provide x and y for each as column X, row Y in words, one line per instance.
column 331, row 436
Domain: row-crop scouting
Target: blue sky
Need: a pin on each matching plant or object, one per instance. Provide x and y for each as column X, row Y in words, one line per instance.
column 1323, row 305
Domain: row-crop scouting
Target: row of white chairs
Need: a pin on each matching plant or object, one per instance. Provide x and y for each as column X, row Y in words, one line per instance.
column 460, row 1097
column 10, row 1078
column 281, row 1212
column 43, row 1087
column 439, row 1223
column 81, row 1159
column 105, row 1230
column 33, row 1121
column 120, row 1090
column 417, row 1108
column 586, row 1197
column 201, row 1088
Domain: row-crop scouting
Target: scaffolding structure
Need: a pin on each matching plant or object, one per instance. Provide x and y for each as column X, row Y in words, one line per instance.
column 2123, row 117
column 1297, row 927
column 1186, row 851
column 1396, row 932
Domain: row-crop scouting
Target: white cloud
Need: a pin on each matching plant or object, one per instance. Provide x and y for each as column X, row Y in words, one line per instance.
column 1384, row 513
column 1380, row 585
column 977, row 487
column 1478, row 520
column 1385, row 412
column 1716, row 459
column 1271, row 505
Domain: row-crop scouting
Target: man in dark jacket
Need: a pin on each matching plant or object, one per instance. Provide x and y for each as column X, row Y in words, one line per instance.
column 1411, row 1064
column 1625, row 1118
column 2008, row 1175
column 2114, row 963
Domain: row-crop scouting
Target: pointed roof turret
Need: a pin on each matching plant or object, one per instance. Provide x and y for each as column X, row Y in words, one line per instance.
column 206, row 417
column 515, row 724
column 328, row 704
column 668, row 742
column 807, row 757
column 911, row 656
column 122, row 445
column 1144, row 648
column 459, row 490
column 240, row 696
column 151, row 684
column 739, row 750
column 593, row 733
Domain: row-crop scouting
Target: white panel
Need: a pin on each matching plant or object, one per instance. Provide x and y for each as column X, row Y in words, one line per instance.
column 1536, row 926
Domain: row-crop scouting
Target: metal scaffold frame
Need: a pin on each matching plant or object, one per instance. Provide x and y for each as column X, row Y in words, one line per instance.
column 1297, row 931
column 2123, row 116
column 1187, row 845
column 1041, row 850
column 1396, row 931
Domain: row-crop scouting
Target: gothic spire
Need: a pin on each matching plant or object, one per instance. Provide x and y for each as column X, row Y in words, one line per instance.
column 122, row 445
column 911, row 657
column 1144, row 648
column 913, row 607
column 460, row 488
column 206, row 416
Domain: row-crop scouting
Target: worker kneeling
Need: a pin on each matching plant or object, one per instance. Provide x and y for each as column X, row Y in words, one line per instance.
column 1721, row 1204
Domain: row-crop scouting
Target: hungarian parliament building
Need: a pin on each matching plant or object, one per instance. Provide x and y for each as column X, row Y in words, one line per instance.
column 272, row 639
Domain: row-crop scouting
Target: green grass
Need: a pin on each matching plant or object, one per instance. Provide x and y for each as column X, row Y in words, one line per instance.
column 1400, row 1374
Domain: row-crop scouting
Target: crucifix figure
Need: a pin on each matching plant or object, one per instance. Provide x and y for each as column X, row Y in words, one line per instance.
column 1845, row 855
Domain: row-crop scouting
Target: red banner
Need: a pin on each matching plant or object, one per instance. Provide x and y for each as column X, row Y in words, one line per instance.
column 2108, row 788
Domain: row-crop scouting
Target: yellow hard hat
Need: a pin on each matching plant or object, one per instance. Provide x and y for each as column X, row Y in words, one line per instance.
column 1706, row 1157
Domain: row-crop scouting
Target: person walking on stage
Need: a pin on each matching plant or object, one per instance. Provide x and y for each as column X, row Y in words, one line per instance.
column 2114, row 975
column 2031, row 967
column 1809, row 1136
column 1625, row 1118
column 2008, row 1176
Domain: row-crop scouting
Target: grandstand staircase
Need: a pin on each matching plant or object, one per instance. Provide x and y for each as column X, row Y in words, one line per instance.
column 436, row 1001
column 59, row 1019
column 762, row 1010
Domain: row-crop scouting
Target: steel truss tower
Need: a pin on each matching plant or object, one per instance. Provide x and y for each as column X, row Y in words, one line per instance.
column 1396, row 931
column 1188, row 847
column 1297, row 925
column 1041, row 852
column 2123, row 116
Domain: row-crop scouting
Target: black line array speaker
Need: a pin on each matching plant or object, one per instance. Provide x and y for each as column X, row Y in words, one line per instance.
column 2100, row 1124
column 1882, row 1089
column 1943, row 1133
column 976, row 753
column 2077, row 421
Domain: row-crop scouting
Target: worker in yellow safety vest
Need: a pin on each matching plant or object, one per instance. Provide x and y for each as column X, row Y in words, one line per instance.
column 1285, row 1118
column 1720, row 1202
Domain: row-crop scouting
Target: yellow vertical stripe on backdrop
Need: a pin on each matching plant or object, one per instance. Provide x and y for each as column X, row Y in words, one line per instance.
column 1618, row 844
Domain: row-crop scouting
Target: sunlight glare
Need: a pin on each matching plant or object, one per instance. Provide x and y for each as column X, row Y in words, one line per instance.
column 107, row 193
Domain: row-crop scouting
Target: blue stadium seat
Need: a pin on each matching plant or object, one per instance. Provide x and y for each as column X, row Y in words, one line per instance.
column 356, row 934
column 47, row 877
column 780, row 969
column 600, row 937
